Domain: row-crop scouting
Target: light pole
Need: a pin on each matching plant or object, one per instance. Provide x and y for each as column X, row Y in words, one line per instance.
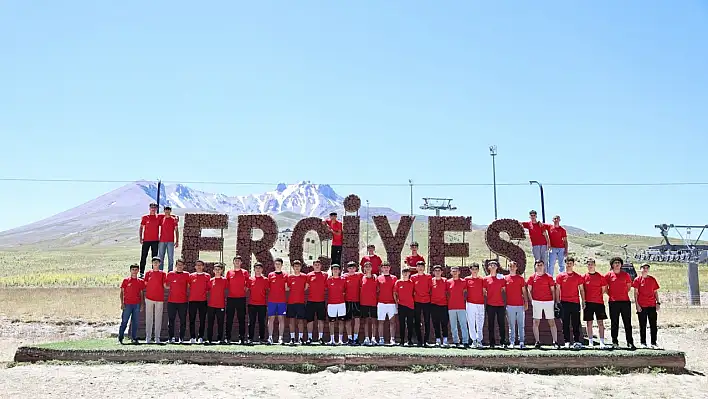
column 367, row 223
column 410, row 181
column 543, row 204
column 493, row 153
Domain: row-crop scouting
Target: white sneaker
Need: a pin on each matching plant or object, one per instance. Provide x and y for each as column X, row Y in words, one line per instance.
column 578, row 345
column 382, row 342
column 521, row 345
column 270, row 341
column 192, row 341
column 567, row 345
column 392, row 342
column 655, row 347
column 644, row 346
column 366, row 341
column 200, row 341
column 173, row 340
column 280, row 341
column 331, row 342
column 603, row 346
column 340, row 343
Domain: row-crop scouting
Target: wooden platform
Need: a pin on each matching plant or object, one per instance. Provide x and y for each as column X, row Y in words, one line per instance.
column 374, row 357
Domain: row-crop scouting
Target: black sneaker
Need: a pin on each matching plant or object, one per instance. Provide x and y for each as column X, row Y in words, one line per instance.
column 120, row 340
column 292, row 342
column 134, row 342
column 228, row 342
column 537, row 345
column 309, row 341
column 556, row 345
column 465, row 346
column 631, row 347
column 321, row 341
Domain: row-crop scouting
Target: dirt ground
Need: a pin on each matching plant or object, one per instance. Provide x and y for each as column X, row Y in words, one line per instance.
column 188, row 381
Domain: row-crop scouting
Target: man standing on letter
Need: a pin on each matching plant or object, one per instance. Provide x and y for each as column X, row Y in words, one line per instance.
column 335, row 227
column 559, row 245
column 538, row 233
column 169, row 238
column 149, row 235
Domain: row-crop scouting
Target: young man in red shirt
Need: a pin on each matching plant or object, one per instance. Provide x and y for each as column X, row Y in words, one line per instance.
column 296, row 302
column 421, row 294
column 353, row 317
column 237, row 281
column 403, row 295
column 149, row 235
column 169, row 237
column 335, row 227
column 595, row 287
column 386, row 307
column 618, row 285
column 277, row 301
column 372, row 258
column 474, row 308
column 572, row 298
column 456, row 288
column 646, row 298
column 558, row 239
column 257, row 308
column 516, row 305
column 177, row 283
column 438, row 306
column 413, row 259
column 336, row 308
column 154, row 300
column 538, row 234
column 198, row 287
column 131, row 296
column 368, row 301
column 216, row 305
column 315, row 307
column 542, row 290
column 495, row 288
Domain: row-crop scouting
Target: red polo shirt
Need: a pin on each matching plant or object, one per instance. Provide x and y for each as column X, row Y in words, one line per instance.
column 353, row 286
column 569, row 283
column 541, row 287
column 438, row 292
column 317, row 284
column 592, row 284
column 536, row 232
column 258, row 289
column 237, row 282
column 167, row 228
column 515, row 290
column 423, row 284
column 151, row 227
column 494, row 288
column 412, row 260
column 155, row 285
column 404, row 290
column 456, row 290
column 475, row 290
column 368, row 295
column 297, row 288
column 336, row 227
column 375, row 263
column 276, row 287
column 177, row 283
column 336, row 289
column 198, row 286
column 556, row 236
column 646, row 288
column 617, row 286
column 132, row 287
column 217, row 292
column 385, row 284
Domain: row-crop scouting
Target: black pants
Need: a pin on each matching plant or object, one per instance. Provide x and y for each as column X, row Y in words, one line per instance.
column 257, row 312
column 440, row 320
column 647, row 313
column 337, row 255
column 423, row 308
column 173, row 311
column 498, row 313
column 194, row 308
column 217, row 313
column 236, row 306
column 570, row 316
column 152, row 247
column 405, row 320
column 624, row 309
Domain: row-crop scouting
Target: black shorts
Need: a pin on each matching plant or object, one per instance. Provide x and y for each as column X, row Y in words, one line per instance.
column 296, row 311
column 593, row 310
column 368, row 312
column 353, row 311
column 315, row 309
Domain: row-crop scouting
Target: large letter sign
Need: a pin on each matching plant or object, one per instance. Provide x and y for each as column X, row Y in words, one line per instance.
column 505, row 248
column 246, row 245
column 192, row 241
column 299, row 232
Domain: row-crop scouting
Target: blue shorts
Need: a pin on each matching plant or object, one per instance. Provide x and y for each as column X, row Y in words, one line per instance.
column 276, row 309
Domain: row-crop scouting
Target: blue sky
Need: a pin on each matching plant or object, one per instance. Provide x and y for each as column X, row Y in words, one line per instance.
column 362, row 92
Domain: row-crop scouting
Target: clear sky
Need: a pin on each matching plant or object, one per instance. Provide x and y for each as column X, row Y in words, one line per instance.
column 362, row 92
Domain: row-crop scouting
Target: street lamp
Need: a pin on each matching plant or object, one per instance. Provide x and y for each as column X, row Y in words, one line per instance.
column 493, row 153
column 543, row 205
column 367, row 223
column 410, row 181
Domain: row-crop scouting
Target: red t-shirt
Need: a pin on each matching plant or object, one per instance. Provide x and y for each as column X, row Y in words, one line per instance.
column 456, row 288
column 297, row 288
column 423, row 283
column 475, row 292
column 353, row 286
column 412, row 260
column 151, row 227
column 569, row 283
column 276, row 287
column 646, row 287
column 167, row 228
column 198, row 286
column 258, row 289
column 556, row 236
column 336, row 290
column 316, row 282
column 368, row 295
column 336, row 227
column 438, row 292
column 375, row 263
column 385, row 284
column 217, row 292
column 237, row 282
column 515, row 290
column 177, row 283
column 617, row 285
column 404, row 290
column 592, row 284
column 536, row 232
column 155, row 285
column 541, row 287
column 494, row 288
column 132, row 287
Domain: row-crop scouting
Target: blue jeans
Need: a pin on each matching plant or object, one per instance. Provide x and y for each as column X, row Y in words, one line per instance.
column 540, row 252
column 132, row 313
column 556, row 254
column 459, row 317
column 170, row 248
column 517, row 317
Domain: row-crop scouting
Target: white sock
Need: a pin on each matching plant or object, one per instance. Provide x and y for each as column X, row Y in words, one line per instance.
column 350, row 337
column 356, row 336
column 437, row 340
column 331, row 338
column 602, row 341
column 321, row 335
column 292, row 335
column 340, row 337
column 300, row 336
column 445, row 340
column 309, row 335
column 381, row 338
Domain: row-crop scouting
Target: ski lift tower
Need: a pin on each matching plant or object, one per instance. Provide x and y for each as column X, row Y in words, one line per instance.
column 695, row 256
column 438, row 204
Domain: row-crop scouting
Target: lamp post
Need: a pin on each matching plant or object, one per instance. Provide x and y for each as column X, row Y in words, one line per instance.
column 367, row 223
column 410, row 181
column 493, row 153
column 543, row 204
